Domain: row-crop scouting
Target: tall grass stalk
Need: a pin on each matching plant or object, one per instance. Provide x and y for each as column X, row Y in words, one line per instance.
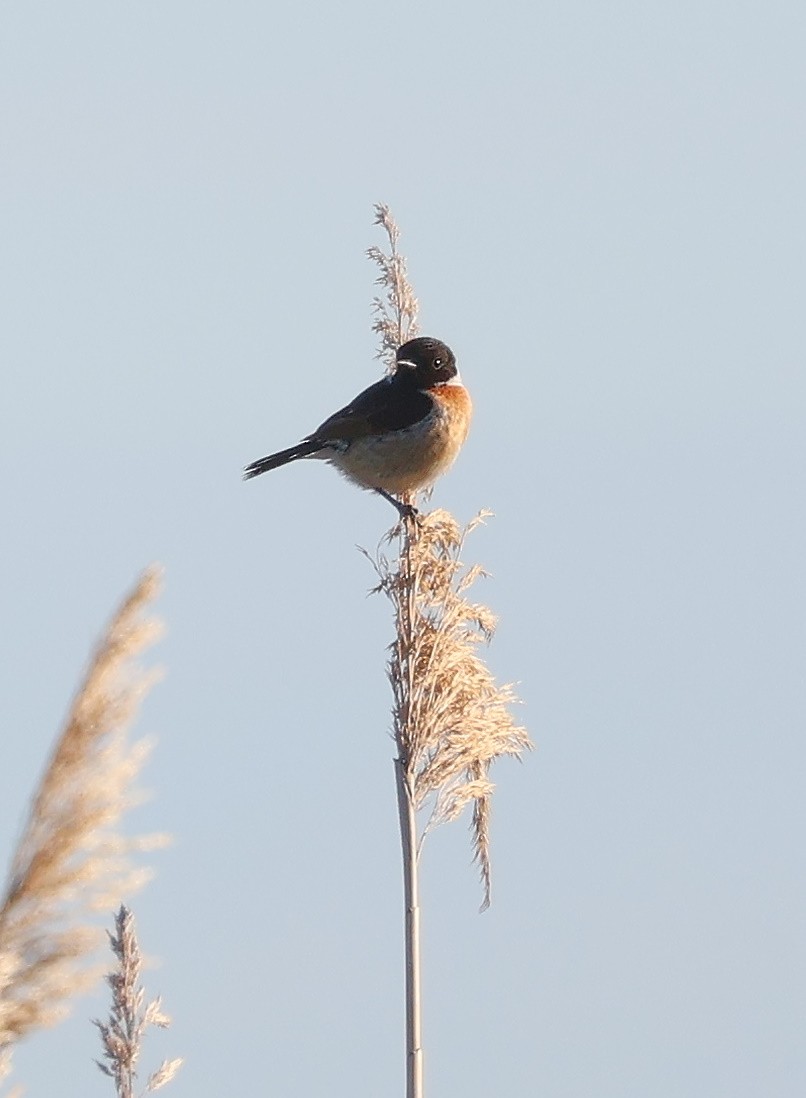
column 72, row 859
column 451, row 719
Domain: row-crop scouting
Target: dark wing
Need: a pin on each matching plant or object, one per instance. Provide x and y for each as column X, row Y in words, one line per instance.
column 385, row 406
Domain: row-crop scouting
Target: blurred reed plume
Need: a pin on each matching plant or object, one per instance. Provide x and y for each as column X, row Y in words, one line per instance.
column 122, row 1034
column 72, row 859
column 451, row 719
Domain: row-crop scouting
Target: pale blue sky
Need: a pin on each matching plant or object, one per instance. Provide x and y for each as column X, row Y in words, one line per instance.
column 603, row 210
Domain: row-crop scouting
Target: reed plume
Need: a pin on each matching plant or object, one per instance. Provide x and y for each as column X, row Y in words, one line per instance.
column 129, row 1017
column 395, row 310
column 72, row 859
column 451, row 720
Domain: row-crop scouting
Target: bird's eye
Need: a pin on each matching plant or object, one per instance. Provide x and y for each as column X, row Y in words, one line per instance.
column 437, row 361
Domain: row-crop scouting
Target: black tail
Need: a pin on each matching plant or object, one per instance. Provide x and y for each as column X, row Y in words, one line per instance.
column 274, row 461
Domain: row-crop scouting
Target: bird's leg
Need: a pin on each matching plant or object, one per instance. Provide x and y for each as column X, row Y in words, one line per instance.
column 405, row 510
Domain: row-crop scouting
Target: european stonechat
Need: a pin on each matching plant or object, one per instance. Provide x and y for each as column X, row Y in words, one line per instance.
column 400, row 434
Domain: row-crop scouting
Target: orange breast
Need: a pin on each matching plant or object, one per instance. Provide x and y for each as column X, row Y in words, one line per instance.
column 457, row 406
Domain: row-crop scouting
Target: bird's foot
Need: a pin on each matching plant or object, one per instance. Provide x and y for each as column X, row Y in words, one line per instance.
column 407, row 511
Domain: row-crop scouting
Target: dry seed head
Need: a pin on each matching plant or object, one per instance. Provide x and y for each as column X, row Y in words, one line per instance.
column 164, row 1073
column 123, row 1032
column 452, row 720
column 395, row 311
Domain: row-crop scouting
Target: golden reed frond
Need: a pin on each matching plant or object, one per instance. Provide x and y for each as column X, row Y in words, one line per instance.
column 451, row 719
column 72, row 859
column 129, row 1017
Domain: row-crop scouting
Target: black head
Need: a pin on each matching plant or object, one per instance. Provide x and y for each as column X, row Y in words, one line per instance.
column 426, row 362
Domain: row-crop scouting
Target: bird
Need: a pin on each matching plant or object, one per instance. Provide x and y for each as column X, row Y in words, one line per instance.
column 398, row 435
